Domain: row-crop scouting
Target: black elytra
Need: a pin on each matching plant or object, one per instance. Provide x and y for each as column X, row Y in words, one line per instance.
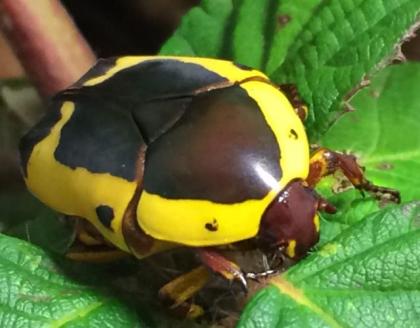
column 201, row 146
column 41, row 130
column 115, row 119
column 212, row 150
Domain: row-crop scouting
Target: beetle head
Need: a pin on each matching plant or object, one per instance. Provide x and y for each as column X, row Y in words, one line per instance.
column 291, row 221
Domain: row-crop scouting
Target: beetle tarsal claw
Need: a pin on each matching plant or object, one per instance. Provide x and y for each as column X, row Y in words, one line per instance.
column 217, row 263
column 384, row 194
column 241, row 278
column 257, row 276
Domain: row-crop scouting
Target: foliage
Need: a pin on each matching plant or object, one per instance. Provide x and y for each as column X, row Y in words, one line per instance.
column 365, row 270
column 36, row 293
column 365, row 277
column 325, row 47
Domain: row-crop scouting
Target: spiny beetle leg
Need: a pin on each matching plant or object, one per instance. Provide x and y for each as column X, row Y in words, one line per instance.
column 382, row 193
column 292, row 94
column 274, row 266
column 324, row 162
column 86, row 232
column 177, row 292
column 96, row 256
column 90, row 246
column 219, row 264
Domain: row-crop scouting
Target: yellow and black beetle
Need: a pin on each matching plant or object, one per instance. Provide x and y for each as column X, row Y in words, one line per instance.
column 157, row 152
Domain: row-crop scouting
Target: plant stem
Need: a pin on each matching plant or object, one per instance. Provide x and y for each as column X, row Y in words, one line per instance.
column 47, row 42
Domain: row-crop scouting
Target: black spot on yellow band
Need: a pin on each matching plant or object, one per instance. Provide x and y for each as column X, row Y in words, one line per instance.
column 293, row 134
column 105, row 214
column 212, row 226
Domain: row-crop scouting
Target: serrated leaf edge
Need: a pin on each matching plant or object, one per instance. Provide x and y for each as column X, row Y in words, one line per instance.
column 397, row 54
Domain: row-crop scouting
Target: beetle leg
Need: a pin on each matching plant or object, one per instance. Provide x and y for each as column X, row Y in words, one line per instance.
column 292, row 95
column 96, row 256
column 219, row 264
column 90, row 246
column 324, row 162
column 139, row 243
column 87, row 234
column 272, row 267
column 177, row 292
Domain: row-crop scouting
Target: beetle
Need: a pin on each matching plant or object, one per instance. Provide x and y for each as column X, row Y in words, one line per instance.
column 159, row 152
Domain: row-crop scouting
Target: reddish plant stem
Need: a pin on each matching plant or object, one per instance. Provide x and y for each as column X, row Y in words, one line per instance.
column 47, row 42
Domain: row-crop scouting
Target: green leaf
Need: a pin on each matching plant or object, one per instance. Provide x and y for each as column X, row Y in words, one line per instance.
column 325, row 47
column 245, row 31
column 351, row 208
column 36, row 294
column 291, row 20
column 342, row 43
column 254, row 22
column 369, row 276
column 202, row 32
column 383, row 131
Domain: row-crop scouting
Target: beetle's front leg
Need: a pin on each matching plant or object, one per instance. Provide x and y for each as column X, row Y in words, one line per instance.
column 229, row 270
column 324, row 162
column 221, row 265
column 90, row 246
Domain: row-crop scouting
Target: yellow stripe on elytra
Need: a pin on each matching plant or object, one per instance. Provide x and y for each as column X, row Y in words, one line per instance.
column 184, row 220
column 291, row 248
column 76, row 191
column 281, row 117
column 316, row 222
column 224, row 68
column 288, row 289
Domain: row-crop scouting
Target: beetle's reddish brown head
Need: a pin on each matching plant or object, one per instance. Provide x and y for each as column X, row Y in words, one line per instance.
column 291, row 221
